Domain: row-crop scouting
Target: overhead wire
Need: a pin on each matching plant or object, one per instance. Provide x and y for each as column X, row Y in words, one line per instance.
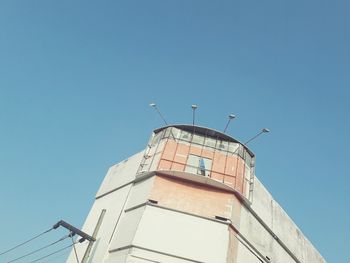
column 60, row 256
column 75, row 251
column 73, row 231
column 40, row 249
column 53, row 253
column 27, row 241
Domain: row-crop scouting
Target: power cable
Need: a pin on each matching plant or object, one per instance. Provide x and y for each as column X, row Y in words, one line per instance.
column 75, row 251
column 39, row 249
column 53, row 253
column 25, row 242
column 59, row 257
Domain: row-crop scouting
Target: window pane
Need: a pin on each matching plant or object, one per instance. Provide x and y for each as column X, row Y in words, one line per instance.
column 210, row 142
column 198, row 139
column 207, row 164
column 222, row 145
column 175, row 133
column 198, row 165
column 240, row 151
column 167, row 132
column 192, row 164
column 186, row 136
column 193, row 160
column 190, row 169
column 232, row 147
column 247, row 158
column 156, row 138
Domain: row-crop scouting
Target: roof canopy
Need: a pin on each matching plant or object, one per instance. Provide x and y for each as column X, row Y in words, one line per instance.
column 205, row 132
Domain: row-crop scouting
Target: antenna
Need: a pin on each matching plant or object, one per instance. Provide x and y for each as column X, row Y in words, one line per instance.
column 230, row 117
column 153, row 105
column 194, row 107
column 264, row 130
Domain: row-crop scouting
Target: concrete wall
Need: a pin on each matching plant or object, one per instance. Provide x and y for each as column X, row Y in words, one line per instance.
column 111, row 196
column 179, row 237
column 282, row 226
column 120, row 174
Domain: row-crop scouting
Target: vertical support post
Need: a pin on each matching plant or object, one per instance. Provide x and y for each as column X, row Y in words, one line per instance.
column 75, row 251
column 94, row 235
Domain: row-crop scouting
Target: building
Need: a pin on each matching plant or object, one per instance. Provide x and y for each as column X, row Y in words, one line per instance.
column 190, row 196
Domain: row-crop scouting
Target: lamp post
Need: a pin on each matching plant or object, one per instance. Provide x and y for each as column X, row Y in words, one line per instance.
column 230, row 117
column 153, row 105
column 194, row 107
column 264, row 130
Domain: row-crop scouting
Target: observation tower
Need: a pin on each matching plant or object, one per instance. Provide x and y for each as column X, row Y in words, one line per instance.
column 190, row 196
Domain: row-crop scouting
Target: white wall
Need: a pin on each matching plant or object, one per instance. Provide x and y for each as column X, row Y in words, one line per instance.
column 117, row 178
column 120, row 174
column 113, row 203
column 183, row 235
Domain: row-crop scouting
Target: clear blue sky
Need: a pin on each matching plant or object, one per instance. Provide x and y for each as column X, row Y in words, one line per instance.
column 76, row 78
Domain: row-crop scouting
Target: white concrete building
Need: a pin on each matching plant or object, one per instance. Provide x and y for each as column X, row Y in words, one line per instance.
column 190, row 196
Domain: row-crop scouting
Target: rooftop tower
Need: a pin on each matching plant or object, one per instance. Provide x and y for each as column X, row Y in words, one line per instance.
column 190, row 196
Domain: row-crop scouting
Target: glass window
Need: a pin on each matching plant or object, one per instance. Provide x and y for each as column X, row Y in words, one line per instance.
column 167, row 132
column 175, row 133
column 247, row 158
column 156, row 138
column 193, row 160
column 210, row 142
column 197, row 139
column 206, row 165
column 222, row 145
column 190, row 169
column 232, row 147
column 240, row 151
column 198, row 165
column 185, row 136
column 192, row 164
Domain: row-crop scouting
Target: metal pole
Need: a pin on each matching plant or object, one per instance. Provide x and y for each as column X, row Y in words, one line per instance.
column 194, row 107
column 230, row 117
column 262, row 131
column 160, row 114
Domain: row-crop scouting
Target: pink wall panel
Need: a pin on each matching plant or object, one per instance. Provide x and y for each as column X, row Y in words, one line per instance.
column 231, row 163
column 169, row 150
column 164, row 165
column 182, row 153
column 240, row 176
column 178, row 167
column 219, row 162
column 230, row 181
column 192, row 197
column 208, row 153
column 196, row 150
column 217, row 176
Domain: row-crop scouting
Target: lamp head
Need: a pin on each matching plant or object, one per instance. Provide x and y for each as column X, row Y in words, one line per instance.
column 231, row 116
